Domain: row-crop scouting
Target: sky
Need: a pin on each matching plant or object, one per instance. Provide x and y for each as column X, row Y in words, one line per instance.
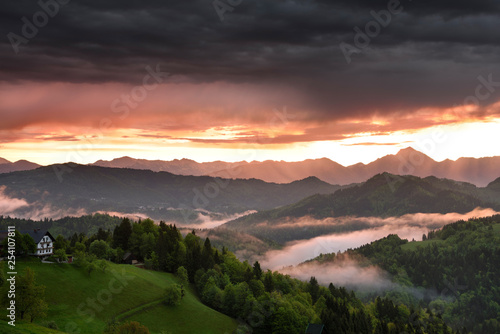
column 350, row 80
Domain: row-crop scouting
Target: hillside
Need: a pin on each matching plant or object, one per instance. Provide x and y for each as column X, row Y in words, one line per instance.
column 160, row 195
column 70, row 309
column 457, row 266
column 453, row 273
column 66, row 226
column 384, row 195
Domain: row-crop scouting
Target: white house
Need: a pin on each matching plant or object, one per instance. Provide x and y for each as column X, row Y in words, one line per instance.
column 44, row 242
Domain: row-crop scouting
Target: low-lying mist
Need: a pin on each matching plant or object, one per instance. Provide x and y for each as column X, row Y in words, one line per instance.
column 410, row 226
column 20, row 208
column 346, row 272
column 211, row 220
column 349, row 272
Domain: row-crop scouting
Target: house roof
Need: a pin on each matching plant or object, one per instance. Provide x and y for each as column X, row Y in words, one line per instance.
column 314, row 329
column 38, row 234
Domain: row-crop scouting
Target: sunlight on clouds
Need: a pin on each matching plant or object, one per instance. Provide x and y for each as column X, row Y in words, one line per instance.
column 85, row 145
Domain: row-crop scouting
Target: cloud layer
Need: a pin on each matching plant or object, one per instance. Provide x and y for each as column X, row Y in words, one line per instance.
column 262, row 55
column 411, row 226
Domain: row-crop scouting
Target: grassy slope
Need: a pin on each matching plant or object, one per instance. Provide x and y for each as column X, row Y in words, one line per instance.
column 25, row 328
column 69, row 288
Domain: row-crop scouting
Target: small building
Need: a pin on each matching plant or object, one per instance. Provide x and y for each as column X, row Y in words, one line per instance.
column 129, row 258
column 44, row 242
column 315, row 329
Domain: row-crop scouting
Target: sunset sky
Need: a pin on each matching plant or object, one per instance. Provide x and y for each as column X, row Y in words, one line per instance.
column 270, row 80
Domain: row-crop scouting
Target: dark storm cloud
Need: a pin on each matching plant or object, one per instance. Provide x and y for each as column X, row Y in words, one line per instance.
column 429, row 55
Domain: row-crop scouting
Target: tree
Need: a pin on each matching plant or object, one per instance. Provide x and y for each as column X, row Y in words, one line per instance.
column 99, row 248
column 257, row 271
column 30, row 297
column 149, row 226
column 91, row 266
column 286, row 320
column 173, row 295
column 29, row 244
column 122, row 234
column 60, row 255
column 103, row 265
column 207, row 257
column 80, row 259
column 132, row 327
column 147, row 245
column 269, row 281
column 80, row 247
column 182, row 274
column 314, row 289
column 60, row 243
column 24, row 244
column 152, row 263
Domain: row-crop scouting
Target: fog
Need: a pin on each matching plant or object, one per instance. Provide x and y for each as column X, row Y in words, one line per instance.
column 20, row 208
column 410, row 226
column 430, row 220
column 346, row 272
column 133, row 216
column 208, row 221
column 349, row 272
column 8, row 205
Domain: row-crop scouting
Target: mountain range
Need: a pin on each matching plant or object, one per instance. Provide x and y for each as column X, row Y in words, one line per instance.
column 6, row 166
column 384, row 195
column 159, row 195
column 409, row 161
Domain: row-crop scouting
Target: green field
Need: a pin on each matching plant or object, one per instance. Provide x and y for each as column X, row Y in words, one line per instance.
column 83, row 304
column 25, row 328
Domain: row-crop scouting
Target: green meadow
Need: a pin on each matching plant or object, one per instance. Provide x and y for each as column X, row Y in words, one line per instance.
column 82, row 303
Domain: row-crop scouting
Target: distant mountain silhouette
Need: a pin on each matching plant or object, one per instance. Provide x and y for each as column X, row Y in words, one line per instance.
column 179, row 167
column 6, row 166
column 406, row 162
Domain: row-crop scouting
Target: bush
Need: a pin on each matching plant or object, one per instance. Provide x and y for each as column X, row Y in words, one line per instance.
column 132, row 327
column 173, row 295
column 60, row 255
column 182, row 274
column 99, row 248
column 52, row 325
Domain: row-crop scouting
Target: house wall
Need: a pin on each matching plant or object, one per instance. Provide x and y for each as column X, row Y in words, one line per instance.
column 45, row 247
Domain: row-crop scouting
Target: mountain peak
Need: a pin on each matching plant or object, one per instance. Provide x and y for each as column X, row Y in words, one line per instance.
column 412, row 154
column 4, row 161
column 408, row 150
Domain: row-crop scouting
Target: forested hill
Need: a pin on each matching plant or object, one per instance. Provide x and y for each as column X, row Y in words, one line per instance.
column 386, row 195
column 66, row 226
column 456, row 270
column 95, row 188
